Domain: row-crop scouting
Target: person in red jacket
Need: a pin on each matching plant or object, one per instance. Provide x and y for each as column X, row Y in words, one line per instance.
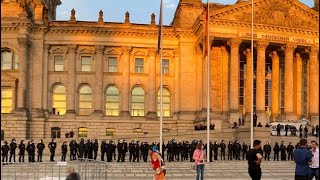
column 157, row 164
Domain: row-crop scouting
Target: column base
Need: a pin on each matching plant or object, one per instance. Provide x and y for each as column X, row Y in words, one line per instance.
column 151, row 115
column 20, row 112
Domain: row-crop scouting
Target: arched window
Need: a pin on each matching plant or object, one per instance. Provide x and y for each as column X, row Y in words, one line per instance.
column 166, row 100
column 59, row 97
column 112, row 101
column 9, row 60
column 85, row 100
column 137, row 102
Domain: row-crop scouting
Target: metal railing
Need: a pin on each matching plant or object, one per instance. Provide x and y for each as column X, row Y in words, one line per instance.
column 87, row 169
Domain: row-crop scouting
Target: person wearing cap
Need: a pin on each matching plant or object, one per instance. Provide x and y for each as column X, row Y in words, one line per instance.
column 13, row 147
column 22, row 149
column 52, row 146
column 158, row 164
column 5, row 149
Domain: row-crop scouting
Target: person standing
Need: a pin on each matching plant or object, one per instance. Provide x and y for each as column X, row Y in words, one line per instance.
column 315, row 161
column 81, row 148
column 22, row 149
column 223, row 150
column 290, row 149
column 198, row 157
column 136, row 149
column 5, row 149
column 40, row 147
column 131, row 150
column 254, row 161
column 64, row 150
column 52, row 146
column 276, row 150
column 283, row 151
column 103, row 149
column 302, row 158
column 278, row 130
column 237, row 150
column 32, row 150
column 71, row 146
column 244, row 150
column 286, row 128
column 267, row 151
column 13, row 147
column 230, row 148
column 95, row 149
column 215, row 150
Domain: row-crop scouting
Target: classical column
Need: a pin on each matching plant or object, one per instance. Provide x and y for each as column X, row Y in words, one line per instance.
column 234, row 74
column 125, row 95
column 249, row 64
column 297, row 85
column 152, row 84
column 314, row 82
column 176, row 81
column 288, row 83
column 261, row 81
column 22, row 83
column 71, row 89
column 98, row 88
column 45, row 92
column 275, row 83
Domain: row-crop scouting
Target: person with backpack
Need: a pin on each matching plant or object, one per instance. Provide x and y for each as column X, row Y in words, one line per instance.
column 198, row 157
column 157, row 164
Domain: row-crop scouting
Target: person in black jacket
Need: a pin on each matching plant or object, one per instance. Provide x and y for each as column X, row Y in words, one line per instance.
column 13, row 147
column 290, row 149
column 90, row 149
column 32, row 151
column 276, row 150
column 215, row 148
column 52, row 146
column 244, row 151
column 267, row 151
column 40, row 147
column 85, row 149
column 95, row 147
column 64, row 150
column 230, row 149
column 81, row 148
column 103, row 149
column 283, row 151
column 131, row 150
column 237, row 150
column 136, row 150
column 28, row 151
column 5, row 149
column 109, row 151
column 223, row 150
column 22, row 149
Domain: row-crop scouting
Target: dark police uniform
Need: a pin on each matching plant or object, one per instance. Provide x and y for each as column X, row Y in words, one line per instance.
column 283, row 152
column 64, row 149
column 244, row 151
column 52, row 146
column 81, row 148
column 13, row 147
column 40, row 147
column 267, row 151
column 22, row 149
column 276, row 150
column 230, row 149
column 95, row 149
column 223, row 150
column 32, row 150
column 215, row 147
column 290, row 149
column 5, row 150
column 103, row 149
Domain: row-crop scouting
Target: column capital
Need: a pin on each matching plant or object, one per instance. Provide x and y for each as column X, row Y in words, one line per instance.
column 234, row 42
column 289, row 48
column 23, row 42
column 99, row 49
column 261, row 44
column 72, row 48
column 126, row 49
column 152, row 51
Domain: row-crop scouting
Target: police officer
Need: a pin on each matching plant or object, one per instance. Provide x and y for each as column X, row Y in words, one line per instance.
column 244, row 150
column 95, row 149
column 81, row 148
column 109, row 151
column 230, row 149
column 75, row 153
column 185, row 150
column 103, row 149
column 85, row 149
column 119, row 148
column 13, row 147
column 267, row 151
column 32, row 150
column 90, row 149
column 64, row 149
column 5, row 149
column 276, row 150
column 144, row 150
column 131, row 150
column 52, row 146
column 290, row 149
column 283, row 151
column 210, row 150
column 71, row 146
column 179, row 151
column 174, row 150
column 223, row 150
column 22, row 149
column 237, row 150
column 125, row 150
column 114, row 150
column 40, row 147
column 192, row 149
column 136, row 154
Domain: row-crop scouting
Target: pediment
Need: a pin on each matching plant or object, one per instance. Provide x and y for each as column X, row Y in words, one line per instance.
column 139, row 53
column 113, row 52
column 286, row 13
column 57, row 51
column 86, row 51
column 7, row 78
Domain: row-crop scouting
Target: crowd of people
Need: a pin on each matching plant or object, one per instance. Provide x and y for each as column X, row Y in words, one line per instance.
column 137, row 151
column 201, row 127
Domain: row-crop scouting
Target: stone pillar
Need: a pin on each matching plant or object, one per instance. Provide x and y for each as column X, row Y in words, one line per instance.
column 45, row 67
column 125, row 95
column 275, row 83
column 98, row 88
column 71, row 89
column 261, row 82
column 22, row 83
column 249, row 65
column 153, row 94
column 288, row 83
column 297, row 85
column 176, row 81
column 314, row 82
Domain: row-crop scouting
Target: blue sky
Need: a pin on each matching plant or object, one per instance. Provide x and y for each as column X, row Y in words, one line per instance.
column 114, row 10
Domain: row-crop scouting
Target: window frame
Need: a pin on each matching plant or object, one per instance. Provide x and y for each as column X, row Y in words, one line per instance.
column 112, row 102
column 79, row 100
column 84, row 132
column 169, row 104
column 82, row 65
column 55, row 64
column 139, row 68
column 14, row 59
column 166, row 70
column 112, row 65
column 55, row 132
column 136, row 112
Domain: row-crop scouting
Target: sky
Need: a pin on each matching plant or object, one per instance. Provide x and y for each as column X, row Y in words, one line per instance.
column 114, row 10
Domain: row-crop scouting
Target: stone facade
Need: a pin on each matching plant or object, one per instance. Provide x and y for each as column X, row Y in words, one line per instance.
column 285, row 34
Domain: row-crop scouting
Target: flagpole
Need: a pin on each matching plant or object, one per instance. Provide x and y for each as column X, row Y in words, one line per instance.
column 161, row 74
column 251, row 92
column 208, row 82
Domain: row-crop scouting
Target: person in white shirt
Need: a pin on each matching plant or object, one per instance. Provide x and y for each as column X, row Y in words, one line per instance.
column 315, row 161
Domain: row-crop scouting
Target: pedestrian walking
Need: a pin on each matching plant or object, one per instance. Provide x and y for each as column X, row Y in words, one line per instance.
column 157, row 164
column 198, row 157
column 302, row 158
column 254, row 161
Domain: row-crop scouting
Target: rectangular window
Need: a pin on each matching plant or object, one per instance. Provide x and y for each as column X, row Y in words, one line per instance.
column 58, row 63
column 6, row 100
column 139, row 65
column 112, row 64
column 86, row 62
column 165, row 66
column 55, row 132
column 83, row 132
column 110, row 132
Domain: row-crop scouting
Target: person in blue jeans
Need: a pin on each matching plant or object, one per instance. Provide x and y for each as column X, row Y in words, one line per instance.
column 303, row 159
column 198, row 157
column 314, row 167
